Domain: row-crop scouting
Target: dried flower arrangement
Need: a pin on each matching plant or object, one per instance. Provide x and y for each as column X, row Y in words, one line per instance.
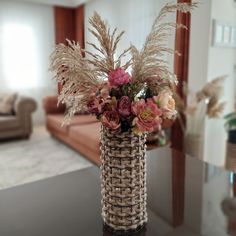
column 203, row 103
column 128, row 104
column 101, row 85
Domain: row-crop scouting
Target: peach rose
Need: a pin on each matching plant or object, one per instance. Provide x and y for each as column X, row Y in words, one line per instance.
column 104, row 90
column 166, row 103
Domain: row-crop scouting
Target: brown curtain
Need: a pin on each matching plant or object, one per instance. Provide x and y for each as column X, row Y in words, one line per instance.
column 69, row 24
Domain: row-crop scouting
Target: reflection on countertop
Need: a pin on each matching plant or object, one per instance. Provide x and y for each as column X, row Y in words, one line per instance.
column 206, row 187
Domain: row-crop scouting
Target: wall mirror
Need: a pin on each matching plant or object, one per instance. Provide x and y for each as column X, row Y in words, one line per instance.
column 211, row 87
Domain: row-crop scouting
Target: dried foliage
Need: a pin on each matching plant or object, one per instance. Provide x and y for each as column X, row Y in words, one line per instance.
column 204, row 103
column 104, row 60
column 149, row 62
column 80, row 75
column 215, row 110
column 76, row 75
column 213, row 92
column 212, row 89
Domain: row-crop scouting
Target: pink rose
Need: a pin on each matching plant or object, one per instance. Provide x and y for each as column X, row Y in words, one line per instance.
column 147, row 116
column 118, row 77
column 111, row 120
column 124, row 106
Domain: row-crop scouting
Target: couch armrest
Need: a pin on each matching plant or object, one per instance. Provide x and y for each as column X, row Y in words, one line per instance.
column 50, row 105
column 24, row 105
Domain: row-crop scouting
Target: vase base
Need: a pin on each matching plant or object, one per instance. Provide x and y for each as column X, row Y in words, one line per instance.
column 109, row 231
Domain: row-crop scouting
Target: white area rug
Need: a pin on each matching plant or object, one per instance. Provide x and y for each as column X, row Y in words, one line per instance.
column 38, row 158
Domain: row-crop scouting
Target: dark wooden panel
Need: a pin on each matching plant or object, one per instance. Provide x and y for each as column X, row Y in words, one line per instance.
column 177, row 139
column 69, row 24
column 64, row 24
column 79, row 23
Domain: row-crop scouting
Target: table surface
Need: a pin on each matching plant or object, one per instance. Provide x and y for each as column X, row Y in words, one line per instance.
column 67, row 205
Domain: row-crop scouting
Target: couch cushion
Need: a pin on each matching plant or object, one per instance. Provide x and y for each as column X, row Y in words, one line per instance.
column 51, row 106
column 7, row 103
column 87, row 135
column 83, row 120
column 9, row 122
column 55, row 121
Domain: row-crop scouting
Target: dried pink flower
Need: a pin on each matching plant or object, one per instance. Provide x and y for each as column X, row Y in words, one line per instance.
column 95, row 106
column 118, row 77
column 147, row 116
column 124, row 106
column 98, row 99
column 111, row 120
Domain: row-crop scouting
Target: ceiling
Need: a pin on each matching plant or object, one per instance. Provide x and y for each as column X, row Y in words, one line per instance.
column 66, row 3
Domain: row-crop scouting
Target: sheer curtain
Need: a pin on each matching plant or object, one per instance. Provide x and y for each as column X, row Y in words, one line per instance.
column 26, row 41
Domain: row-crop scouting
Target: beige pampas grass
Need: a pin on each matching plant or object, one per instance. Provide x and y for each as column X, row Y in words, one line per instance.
column 104, row 60
column 213, row 88
column 80, row 75
column 149, row 63
column 76, row 75
column 214, row 111
column 206, row 103
column 212, row 92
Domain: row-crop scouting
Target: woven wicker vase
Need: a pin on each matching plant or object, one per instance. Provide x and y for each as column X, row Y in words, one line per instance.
column 123, row 175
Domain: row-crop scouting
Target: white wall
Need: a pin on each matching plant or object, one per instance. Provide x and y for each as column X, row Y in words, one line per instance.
column 208, row 62
column 199, row 45
column 221, row 62
column 39, row 20
column 136, row 18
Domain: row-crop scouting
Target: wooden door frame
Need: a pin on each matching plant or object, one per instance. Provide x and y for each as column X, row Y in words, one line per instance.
column 177, row 136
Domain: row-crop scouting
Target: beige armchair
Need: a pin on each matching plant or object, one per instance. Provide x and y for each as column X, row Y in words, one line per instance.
column 18, row 125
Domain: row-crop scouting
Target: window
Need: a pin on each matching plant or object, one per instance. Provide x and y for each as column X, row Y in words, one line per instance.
column 19, row 56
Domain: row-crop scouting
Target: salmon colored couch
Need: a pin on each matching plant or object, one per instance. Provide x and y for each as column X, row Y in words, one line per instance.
column 82, row 134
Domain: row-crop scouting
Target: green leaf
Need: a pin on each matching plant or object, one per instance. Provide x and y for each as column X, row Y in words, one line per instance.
column 231, row 124
column 230, row 115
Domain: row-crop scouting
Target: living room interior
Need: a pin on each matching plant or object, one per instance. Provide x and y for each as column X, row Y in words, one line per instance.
column 51, row 168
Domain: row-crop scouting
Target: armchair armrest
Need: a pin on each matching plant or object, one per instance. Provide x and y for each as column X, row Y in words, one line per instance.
column 24, row 105
column 50, row 105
